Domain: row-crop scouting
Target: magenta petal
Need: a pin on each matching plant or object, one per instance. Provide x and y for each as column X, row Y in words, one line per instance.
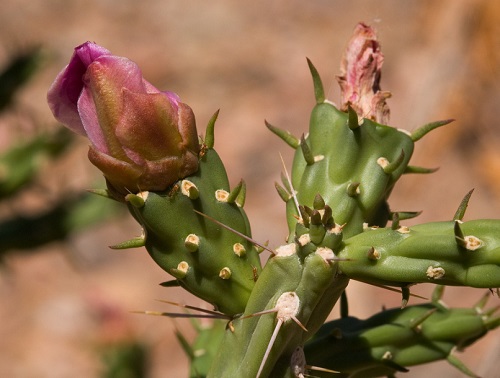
column 64, row 93
column 105, row 80
column 88, row 116
column 89, row 51
column 148, row 126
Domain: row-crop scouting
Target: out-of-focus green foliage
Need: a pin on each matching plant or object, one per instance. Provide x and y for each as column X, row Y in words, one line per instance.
column 17, row 72
column 127, row 360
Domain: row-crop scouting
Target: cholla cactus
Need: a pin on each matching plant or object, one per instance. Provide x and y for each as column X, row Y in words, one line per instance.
column 343, row 172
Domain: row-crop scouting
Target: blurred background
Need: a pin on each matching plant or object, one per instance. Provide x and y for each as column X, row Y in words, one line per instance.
column 66, row 298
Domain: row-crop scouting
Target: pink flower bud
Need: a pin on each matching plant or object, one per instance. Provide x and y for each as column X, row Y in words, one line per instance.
column 360, row 76
column 141, row 138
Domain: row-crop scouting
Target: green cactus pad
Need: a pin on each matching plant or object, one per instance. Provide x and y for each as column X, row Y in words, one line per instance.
column 394, row 339
column 306, row 269
column 208, row 260
column 353, row 169
column 446, row 253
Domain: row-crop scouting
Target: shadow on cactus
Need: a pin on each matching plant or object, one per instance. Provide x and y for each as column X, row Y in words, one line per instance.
column 344, row 169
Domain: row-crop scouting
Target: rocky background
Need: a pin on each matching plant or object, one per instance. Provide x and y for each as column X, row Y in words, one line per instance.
column 62, row 304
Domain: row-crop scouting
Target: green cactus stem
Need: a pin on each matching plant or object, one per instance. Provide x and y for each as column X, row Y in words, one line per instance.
column 445, row 253
column 215, row 263
column 291, row 299
column 395, row 339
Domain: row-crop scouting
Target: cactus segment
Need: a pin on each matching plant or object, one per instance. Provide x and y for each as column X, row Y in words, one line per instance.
column 447, row 253
column 406, row 337
column 304, row 270
column 198, row 252
column 265, row 334
column 349, row 174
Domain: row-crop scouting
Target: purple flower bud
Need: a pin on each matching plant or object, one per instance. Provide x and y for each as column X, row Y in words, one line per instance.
column 141, row 138
column 360, row 76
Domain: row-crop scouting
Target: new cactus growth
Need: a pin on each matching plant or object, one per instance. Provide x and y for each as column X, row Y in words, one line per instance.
column 344, row 169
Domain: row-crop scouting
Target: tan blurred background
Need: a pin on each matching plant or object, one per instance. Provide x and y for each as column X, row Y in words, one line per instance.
column 442, row 60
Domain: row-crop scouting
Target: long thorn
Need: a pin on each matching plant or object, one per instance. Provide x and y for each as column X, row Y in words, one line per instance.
column 292, row 190
column 193, row 308
column 234, row 231
column 180, row 315
column 269, row 346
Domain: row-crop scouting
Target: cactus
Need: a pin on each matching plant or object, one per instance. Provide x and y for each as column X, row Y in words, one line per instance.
column 337, row 211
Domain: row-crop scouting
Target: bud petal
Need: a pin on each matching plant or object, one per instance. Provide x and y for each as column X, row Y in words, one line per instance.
column 141, row 138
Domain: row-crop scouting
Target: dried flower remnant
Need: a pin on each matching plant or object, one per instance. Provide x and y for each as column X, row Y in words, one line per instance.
column 360, row 76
